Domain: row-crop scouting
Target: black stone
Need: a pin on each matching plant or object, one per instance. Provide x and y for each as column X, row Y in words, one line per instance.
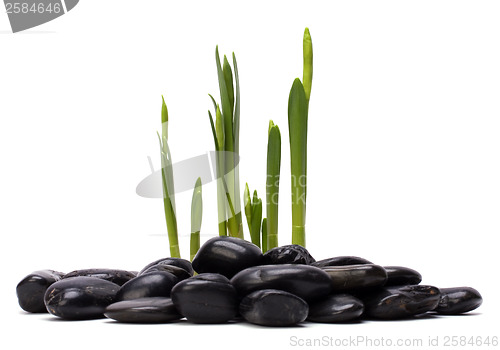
column 154, row 284
column 144, row 310
column 307, row 282
column 206, row 298
column 393, row 303
column 399, row 276
column 178, row 272
column 182, row 263
column 288, row 254
column 227, row 256
column 458, row 300
column 272, row 307
column 31, row 290
column 341, row 261
column 80, row 298
column 355, row 277
column 336, row 308
column 120, row 277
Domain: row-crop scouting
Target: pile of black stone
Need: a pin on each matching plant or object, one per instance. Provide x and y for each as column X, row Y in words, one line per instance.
column 235, row 281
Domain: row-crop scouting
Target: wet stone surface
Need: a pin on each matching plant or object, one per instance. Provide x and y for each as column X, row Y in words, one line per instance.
column 227, row 256
column 178, row 272
column 288, row 254
column 400, row 275
column 335, row 309
column 355, row 277
column 458, row 300
column 80, row 298
column 31, row 290
column 182, row 263
column 120, row 277
column 341, row 261
column 153, row 284
column 144, row 310
column 394, row 303
column 271, row 307
column 206, row 298
column 305, row 281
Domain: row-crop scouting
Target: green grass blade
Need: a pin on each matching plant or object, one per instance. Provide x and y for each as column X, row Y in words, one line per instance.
column 273, row 183
column 196, row 218
column 228, row 79
column 236, row 133
column 164, row 118
column 264, row 235
column 297, row 126
column 221, row 192
column 256, row 219
column 247, row 202
column 308, row 64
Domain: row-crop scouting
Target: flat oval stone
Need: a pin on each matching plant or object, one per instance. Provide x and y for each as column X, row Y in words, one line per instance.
column 399, row 276
column 307, row 282
column 31, row 290
column 120, row 277
column 206, row 298
column 182, row 263
column 272, row 307
column 144, row 310
column 80, row 298
column 336, row 308
column 341, row 261
column 393, row 303
column 154, row 284
column 227, row 256
column 178, row 272
column 458, row 300
column 288, row 254
column 355, row 277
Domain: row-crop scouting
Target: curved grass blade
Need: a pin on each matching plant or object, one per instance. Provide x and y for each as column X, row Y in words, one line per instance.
column 273, row 183
column 196, row 218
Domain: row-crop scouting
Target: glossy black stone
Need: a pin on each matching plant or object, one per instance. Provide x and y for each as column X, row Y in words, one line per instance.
column 355, row 277
column 458, row 300
column 80, row 298
column 336, row 308
column 399, row 276
column 154, row 284
column 393, row 303
column 178, row 272
column 182, row 263
column 272, row 307
column 120, row 277
column 288, row 254
column 307, row 282
column 144, row 310
column 206, row 298
column 341, row 261
column 31, row 290
column 227, row 256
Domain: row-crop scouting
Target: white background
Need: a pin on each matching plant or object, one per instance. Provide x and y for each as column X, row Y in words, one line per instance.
column 403, row 159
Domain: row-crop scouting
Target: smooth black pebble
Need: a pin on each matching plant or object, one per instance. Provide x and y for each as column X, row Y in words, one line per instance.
column 400, row 275
column 178, row 272
column 31, row 290
column 154, row 284
column 227, row 256
column 182, row 263
column 288, row 254
column 80, row 298
column 393, row 303
column 120, row 277
column 206, row 298
column 341, row 261
column 458, row 300
column 144, row 310
column 305, row 281
column 272, row 307
column 336, row 308
column 355, row 277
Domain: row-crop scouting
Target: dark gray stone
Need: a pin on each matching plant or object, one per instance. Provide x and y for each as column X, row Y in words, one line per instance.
column 458, row 300
column 144, row 310
column 399, row 276
column 153, row 284
column 336, row 308
column 288, row 254
column 120, row 277
column 355, row 277
column 341, row 261
column 31, row 290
